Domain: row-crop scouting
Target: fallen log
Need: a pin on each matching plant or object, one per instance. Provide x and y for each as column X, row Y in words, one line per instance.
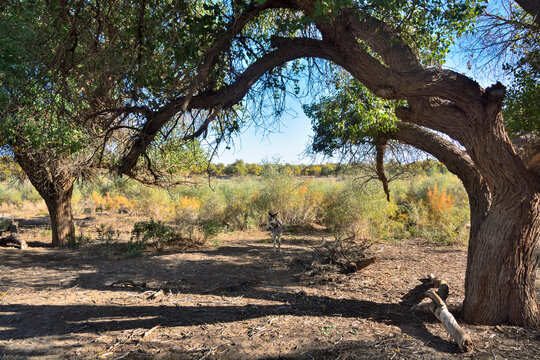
column 440, row 310
column 13, row 228
column 438, row 307
column 16, row 239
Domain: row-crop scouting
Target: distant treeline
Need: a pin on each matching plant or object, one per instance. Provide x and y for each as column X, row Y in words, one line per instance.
column 9, row 169
column 239, row 168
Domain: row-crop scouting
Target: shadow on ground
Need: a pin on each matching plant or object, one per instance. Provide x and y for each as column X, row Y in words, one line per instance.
column 251, row 271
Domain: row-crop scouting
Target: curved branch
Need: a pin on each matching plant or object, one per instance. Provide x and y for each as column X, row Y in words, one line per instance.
column 436, row 115
column 288, row 49
column 383, row 40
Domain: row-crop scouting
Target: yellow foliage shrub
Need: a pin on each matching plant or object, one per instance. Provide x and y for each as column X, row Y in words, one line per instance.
column 108, row 202
column 189, row 204
column 187, row 211
column 438, row 202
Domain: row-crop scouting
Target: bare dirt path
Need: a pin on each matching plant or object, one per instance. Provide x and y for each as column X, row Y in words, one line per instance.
column 236, row 301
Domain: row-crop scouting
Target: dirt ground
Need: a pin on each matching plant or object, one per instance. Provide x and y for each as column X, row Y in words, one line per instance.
column 232, row 299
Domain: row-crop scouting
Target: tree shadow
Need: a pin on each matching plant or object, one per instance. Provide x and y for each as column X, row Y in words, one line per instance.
column 229, row 270
column 29, row 321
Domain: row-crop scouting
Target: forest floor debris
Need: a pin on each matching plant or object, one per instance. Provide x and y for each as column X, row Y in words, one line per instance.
column 236, row 301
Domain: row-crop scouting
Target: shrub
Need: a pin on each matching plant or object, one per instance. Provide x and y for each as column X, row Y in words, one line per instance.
column 298, row 202
column 434, row 208
column 187, row 212
column 147, row 233
column 439, row 202
column 116, row 203
column 361, row 208
column 240, row 212
column 107, row 236
column 155, row 203
column 211, row 228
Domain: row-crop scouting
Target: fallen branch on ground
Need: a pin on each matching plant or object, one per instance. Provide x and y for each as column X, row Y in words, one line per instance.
column 13, row 227
column 14, row 238
column 348, row 255
column 438, row 307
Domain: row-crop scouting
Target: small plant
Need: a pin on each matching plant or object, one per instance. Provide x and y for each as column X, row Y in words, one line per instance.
column 107, row 236
column 76, row 242
column 4, row 224
column 145, row 233
column 327, row 329
column 134, row 248
column 216, row 243
column 211, row 228
column 45, row 232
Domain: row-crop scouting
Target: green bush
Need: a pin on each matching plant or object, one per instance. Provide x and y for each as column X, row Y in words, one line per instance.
column 211, row 228
column 362, row 209
column 240, row 212
column 434, row 206
column 147, row 233
column 107, row 237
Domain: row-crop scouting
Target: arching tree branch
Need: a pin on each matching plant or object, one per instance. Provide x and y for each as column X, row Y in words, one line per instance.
column 289, row 49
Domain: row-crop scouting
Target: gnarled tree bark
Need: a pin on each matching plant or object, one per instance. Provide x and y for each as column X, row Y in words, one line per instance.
column 53, row 179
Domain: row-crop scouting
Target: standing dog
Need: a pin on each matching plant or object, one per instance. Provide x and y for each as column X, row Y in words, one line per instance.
column 276, row 227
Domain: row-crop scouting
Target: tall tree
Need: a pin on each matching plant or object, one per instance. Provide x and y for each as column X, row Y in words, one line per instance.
column 388, row 46
column 63, row 62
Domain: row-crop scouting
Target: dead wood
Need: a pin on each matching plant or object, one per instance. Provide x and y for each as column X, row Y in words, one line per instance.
column 14, row 237
column 438, row 307
column 128, row 283
column 347, row 256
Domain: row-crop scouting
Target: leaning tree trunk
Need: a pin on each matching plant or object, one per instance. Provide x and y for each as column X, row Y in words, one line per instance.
column 53, row 179
column 504, row 197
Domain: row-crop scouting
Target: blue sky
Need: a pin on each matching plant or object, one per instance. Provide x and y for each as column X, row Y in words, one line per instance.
column 287, row 144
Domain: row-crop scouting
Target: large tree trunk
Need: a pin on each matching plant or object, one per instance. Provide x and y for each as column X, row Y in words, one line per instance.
column 502, row 263
column 59, row 206
column 53, row 179
column 502, row 256
column 505, row 216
